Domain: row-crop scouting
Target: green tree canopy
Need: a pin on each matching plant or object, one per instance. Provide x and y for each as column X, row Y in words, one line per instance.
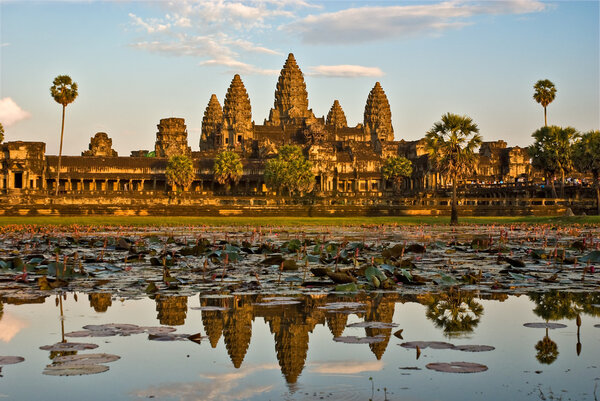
column 228, row 168
column 552, row 152
column 455, row 311
column 395, row 169
column 289, row 171
column 586, row 157
column 64, row 92
column 544, row 93
column 451, row 144
column 180, row 171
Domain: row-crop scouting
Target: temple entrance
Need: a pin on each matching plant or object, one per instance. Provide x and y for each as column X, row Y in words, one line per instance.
column 18, row 180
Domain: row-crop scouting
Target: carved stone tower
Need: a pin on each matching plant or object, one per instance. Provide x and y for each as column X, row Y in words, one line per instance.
column 237, row 116
column 212, row 121
column 378, row 116
column 336, row 116
column 100, row 145
column 291, row 97
column 171, row 138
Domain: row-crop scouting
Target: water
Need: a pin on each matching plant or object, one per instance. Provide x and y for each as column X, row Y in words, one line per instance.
column 255, row 349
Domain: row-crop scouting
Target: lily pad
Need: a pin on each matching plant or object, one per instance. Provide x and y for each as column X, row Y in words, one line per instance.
column 457, row 367
column 209, row 308
column 373, row 325
column 9, row 360
column 73, row 370
column 359, row 340
column 343, row 305
column 85, row 359
column 474, row 348
column 545, row 325
column 427, row 344
column 68, row 347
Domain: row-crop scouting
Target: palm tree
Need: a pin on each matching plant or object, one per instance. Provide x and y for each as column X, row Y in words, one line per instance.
column 586, row 156
column 455, row 311
column 180, row 171
column 1, row 133
column 228, row 168
column 64, row 92
column 552, row 152
column 451, row 145
column 544, row 94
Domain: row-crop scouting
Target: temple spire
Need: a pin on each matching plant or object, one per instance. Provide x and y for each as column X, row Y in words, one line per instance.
column 336, row 116
column 237, row 114
column 211, row 125
column 378, row 116
column 291, row 97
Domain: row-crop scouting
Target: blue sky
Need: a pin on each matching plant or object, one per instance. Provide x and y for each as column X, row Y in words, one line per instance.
column 137, row 62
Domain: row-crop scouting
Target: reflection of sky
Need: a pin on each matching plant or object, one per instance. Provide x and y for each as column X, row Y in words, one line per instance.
column 10, row 325
column 188, row 371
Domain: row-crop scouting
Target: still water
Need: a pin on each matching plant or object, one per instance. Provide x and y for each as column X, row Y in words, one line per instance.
column 274, row 347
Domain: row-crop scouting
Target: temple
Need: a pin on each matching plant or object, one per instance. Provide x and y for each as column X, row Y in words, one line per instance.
column 346, row 160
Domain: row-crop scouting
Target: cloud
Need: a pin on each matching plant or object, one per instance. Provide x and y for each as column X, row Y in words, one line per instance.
column 10, row 326
column 346, row 367
column 218, row 386
column 5, row 44
column 11, row 113
column 214, row 31
column 369, row 23
column 344, row 71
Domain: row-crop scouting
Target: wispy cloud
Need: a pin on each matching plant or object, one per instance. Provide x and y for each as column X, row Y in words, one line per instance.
column 10, row 326
column 369, row 23
column 11, row 112
column 214, row 31
column 4, row 44
column 222, row 387
column 344, row 71
column 345, row 367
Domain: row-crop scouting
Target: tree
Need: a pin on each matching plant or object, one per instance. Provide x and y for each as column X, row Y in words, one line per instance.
column 552, row 152
column 586, row 157
column 290, row 171
column 228, row 168
column 180, row 171
column 395, row 169
column 544, row 94
column 1, row 133
column 455, row 311
column 451, row 145
column 64, row 92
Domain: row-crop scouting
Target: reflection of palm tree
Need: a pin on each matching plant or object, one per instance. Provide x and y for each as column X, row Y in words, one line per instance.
column 456, row 312
column 547, row 350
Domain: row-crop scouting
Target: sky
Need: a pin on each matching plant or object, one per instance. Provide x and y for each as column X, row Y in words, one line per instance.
column 137, row 62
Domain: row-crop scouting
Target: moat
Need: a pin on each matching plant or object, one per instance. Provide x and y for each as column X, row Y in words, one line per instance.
column 364, row 312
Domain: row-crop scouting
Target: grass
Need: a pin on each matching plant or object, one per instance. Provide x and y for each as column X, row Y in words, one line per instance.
column 283, row 221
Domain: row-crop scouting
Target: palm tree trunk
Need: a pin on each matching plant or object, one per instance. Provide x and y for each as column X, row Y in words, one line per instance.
column 597, row 184
column 62, row 131
column 554, row 195
column 454, row 211
column 562, row 184
column 545, row 118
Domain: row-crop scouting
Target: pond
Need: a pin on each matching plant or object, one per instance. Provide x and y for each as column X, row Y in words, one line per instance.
column 297, row 347
column 236, row 313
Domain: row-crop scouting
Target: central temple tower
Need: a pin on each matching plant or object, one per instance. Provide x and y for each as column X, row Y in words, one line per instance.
column 291, row 97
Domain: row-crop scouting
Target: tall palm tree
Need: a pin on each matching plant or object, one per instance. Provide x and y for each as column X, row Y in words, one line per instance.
column 544, row 94
column 228, row 168
column 64, row 92
column 552, row 152
column 586, row 156
column 451, row 144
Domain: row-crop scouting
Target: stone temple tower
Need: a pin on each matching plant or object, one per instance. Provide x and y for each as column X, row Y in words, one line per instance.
column 171, row 138
column 291, row 97
column 212, row 121
column 336, row 116
column 237, row 116
column 378, row 116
